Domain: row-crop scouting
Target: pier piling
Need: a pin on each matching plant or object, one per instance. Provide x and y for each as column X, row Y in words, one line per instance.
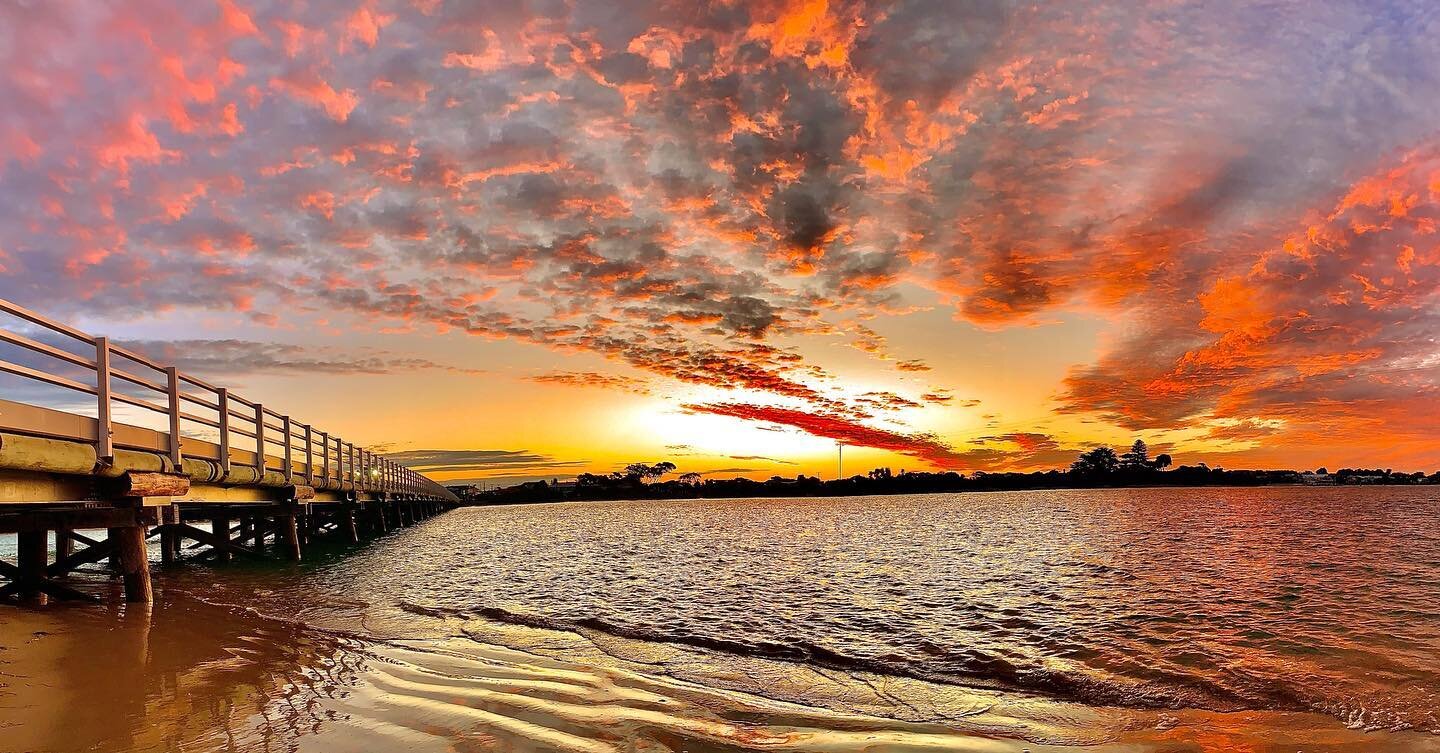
column 291, row 528
column 134, row 564
column 31, row 556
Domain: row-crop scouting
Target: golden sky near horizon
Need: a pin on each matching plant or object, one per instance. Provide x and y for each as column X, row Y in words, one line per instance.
column 559, row 236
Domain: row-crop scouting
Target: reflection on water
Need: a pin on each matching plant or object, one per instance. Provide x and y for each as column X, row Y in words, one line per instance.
column 1138, row 620
column 187, row 676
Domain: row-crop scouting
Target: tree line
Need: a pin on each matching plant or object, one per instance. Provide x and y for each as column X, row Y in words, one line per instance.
column 1095, row 468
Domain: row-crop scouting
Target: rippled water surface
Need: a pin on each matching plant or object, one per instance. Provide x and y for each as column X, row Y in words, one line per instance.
column 1299, row 599
column 1128, row 620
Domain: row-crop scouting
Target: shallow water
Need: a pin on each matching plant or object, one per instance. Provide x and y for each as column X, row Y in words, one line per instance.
column 1202, row 619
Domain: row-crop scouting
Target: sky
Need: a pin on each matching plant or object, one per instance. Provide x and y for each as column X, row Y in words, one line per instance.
column 513, row 240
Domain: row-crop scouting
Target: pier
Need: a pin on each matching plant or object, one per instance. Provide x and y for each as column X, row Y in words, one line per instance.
column 140, row 450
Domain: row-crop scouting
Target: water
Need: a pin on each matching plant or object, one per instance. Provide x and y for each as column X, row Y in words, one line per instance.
column 1282, row 616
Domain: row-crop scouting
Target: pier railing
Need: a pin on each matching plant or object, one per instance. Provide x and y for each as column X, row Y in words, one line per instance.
column 225, row 429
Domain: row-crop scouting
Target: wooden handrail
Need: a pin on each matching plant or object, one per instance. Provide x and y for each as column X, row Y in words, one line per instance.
column 364, row 470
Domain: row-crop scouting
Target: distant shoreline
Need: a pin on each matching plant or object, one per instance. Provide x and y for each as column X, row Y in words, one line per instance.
column 864, row 486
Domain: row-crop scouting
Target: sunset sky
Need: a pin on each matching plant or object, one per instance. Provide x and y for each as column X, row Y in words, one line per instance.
column 532, row 239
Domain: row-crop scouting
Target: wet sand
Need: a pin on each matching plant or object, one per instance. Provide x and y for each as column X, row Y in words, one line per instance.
column 187, row 675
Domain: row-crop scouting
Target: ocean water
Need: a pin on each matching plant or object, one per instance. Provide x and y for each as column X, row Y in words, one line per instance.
column 1148, row 619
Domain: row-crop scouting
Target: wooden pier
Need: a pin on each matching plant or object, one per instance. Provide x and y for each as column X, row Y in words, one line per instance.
column 256, row 481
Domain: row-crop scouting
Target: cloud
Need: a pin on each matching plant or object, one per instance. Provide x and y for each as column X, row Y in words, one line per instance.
column 592, row 379
column 762, row 457
column 840, row 429
column 488, row 463
column 691, row 189
column 222, row 358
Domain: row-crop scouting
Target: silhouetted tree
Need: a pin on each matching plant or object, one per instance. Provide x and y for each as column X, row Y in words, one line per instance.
column 1162, row 461
column 1138, row 458
column 881, row 474
column 1100, row 461
column 689, row 479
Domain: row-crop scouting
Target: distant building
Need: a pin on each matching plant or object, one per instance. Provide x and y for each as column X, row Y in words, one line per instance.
column 1311, row 478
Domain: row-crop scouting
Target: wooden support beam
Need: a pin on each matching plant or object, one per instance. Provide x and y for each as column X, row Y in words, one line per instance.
column 135, row 565
column 99, row 551
column 31, row 560
column 169, row 545
column 350, row 528
column 220, row 527
column 216, row 542
column 64, row 547
column 94, row 517
column 145, row 484
column 292, row 537
column 80, row 537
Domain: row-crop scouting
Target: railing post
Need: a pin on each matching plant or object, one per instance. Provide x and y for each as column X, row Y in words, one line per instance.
column 350, row 451
column 172, row 392
column 104, row 432
column 325, row 457
column 260, row 441
column 222, row 397
column 289, row 466
column 309, row 457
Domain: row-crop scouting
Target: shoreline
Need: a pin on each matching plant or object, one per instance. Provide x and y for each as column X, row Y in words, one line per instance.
column 936, row 492
column 204, row 676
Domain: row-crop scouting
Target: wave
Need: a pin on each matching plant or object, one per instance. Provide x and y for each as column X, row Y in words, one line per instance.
column 970, row 668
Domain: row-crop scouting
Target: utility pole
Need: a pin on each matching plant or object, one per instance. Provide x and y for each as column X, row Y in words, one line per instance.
column 840, row 460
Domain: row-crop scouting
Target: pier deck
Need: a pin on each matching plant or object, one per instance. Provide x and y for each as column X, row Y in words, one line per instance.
column 254, row 477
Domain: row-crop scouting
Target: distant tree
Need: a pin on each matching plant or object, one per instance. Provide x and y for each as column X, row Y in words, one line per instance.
column 689, row 479
column 1138, row 458
column 881, row 474
column 1161, row 462
column 645, row 471
column 1321, row 471
column 589, row 479
column 1100, row 461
